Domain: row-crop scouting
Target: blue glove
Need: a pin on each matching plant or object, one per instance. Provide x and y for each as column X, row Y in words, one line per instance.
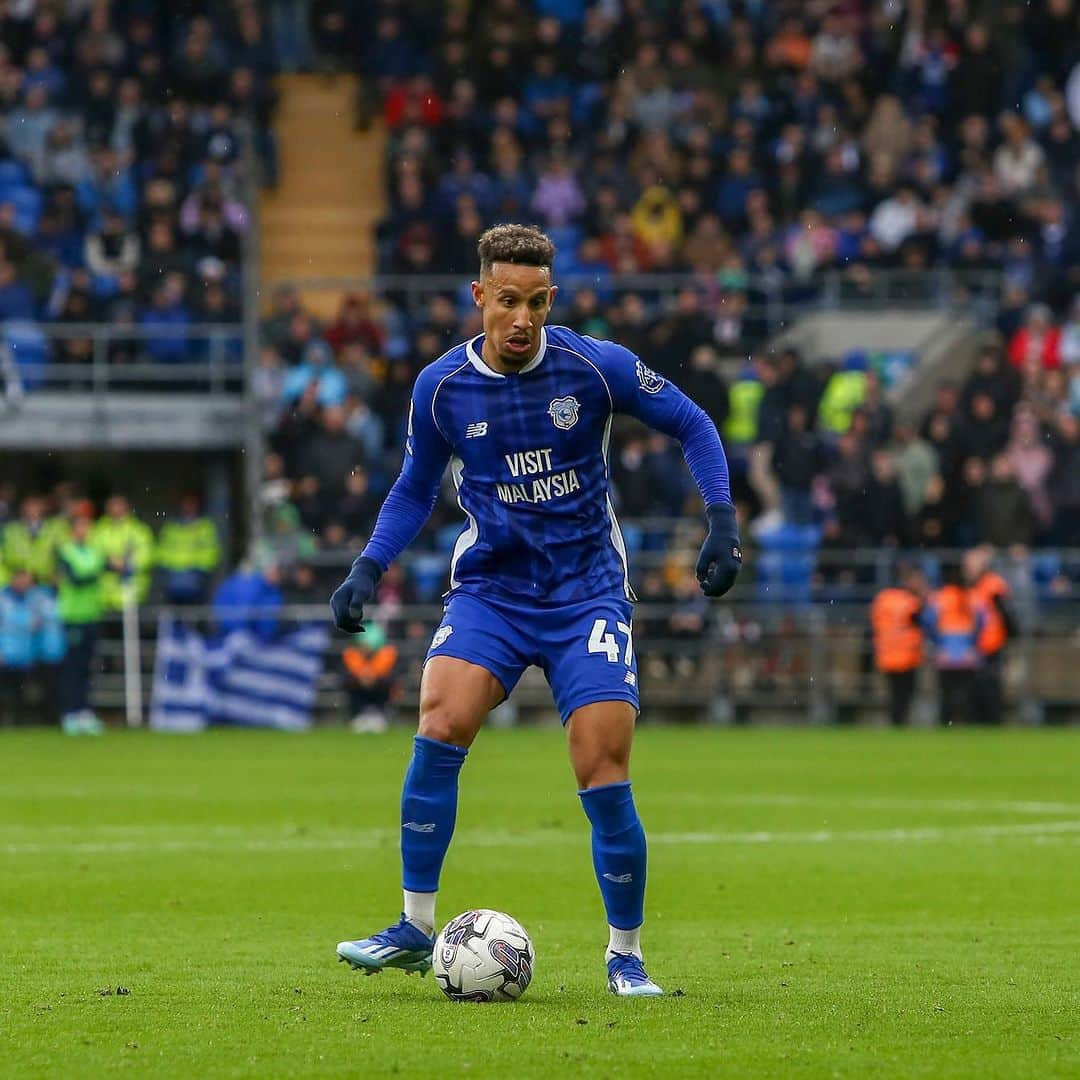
column 353, row 593
column 720, row 560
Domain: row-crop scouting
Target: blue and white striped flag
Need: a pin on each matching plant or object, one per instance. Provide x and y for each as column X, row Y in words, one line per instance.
column 239, row 679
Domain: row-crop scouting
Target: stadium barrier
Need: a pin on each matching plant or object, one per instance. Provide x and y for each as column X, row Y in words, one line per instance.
column 751, row 661
column 788, row 567
column 213, row 365
column 777, row 298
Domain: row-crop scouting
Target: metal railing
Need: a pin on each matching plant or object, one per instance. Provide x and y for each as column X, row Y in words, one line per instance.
column 748, row 661
column 772, row 304
column 119, row 358
column 835, row 578
column 212, row 363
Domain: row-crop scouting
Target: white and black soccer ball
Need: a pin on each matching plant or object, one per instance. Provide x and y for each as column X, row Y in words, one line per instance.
column 483, row 955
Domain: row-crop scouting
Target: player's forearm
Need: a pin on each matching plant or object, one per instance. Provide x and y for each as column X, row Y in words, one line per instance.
column 404, row 512
column 704, row 454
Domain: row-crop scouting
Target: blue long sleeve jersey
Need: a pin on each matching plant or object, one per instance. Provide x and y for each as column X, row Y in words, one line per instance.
column 529, row 457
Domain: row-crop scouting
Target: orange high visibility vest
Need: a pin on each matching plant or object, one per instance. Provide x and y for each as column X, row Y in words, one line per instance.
column 956, row 609
column 377, row 665
column 994, row 635
column 898, row 639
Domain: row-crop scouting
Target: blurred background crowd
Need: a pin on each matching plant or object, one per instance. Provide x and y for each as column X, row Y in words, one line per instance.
column 746, row 147
column 707, row 171
column 120, row 194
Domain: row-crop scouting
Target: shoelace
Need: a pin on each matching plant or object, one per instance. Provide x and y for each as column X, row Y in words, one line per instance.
column 630, row 967
column 385, row 937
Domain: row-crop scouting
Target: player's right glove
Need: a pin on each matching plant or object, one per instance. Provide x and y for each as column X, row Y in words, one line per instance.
column 720, row 560
column 353, row 593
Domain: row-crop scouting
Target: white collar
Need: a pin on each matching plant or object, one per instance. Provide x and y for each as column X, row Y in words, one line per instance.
column 477, row 360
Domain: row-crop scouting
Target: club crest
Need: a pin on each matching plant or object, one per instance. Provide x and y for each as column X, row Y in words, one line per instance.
column 648, row 380
column 564, row 412
column 441, row 635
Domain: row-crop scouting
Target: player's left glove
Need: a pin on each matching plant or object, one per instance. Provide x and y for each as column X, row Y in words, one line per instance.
column 353, row 593
column 720, row 560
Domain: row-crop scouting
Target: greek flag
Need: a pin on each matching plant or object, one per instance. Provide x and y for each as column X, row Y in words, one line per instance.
column 238, row 679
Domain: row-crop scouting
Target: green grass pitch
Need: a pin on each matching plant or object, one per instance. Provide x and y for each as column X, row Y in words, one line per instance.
column 842, row 903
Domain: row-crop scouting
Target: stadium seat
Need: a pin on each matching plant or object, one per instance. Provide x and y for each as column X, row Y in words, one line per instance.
column 786, row 564
column 30, row 349
column 446, row 537
column 13, row 174
column 429, row 577
column 633, row 536
column 27, row 202
column 1046, row 566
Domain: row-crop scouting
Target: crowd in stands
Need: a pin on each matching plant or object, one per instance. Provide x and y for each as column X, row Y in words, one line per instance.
column 750, row 149
column 816, row 453
column 121, row 174
column 751, row 146
column 65, row 570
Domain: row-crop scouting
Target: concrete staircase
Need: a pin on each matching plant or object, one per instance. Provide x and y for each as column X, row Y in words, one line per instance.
column 944, row 341
column 320, row 221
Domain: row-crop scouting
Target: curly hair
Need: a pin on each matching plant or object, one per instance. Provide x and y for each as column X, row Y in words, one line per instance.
column 522, row 244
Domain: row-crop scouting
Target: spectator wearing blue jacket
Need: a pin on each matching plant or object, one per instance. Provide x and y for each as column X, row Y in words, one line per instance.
column 29, row 124
column 249, row 599
column 109, row 189
column 30, row 635
column 167, row 311
column 16, row 302
column 316, row 367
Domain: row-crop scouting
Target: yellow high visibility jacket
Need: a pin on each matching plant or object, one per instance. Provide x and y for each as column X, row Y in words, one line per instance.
column 189, row 545
column 129, row 541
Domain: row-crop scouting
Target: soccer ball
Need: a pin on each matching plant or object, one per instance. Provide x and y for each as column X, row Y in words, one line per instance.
column 483, row 956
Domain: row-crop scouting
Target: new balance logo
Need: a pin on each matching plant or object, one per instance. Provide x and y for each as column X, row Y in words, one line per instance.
column 631, row 679
column 474, row 431
column 619, row 879
column 416, row 826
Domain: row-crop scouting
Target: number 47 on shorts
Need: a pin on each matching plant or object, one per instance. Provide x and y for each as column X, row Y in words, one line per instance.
column 602, row 640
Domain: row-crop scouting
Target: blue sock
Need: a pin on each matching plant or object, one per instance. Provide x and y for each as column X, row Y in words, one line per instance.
column 618, row 847
column 428, row 811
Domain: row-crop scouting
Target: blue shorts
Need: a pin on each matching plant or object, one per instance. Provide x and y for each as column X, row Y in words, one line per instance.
column 585, row 650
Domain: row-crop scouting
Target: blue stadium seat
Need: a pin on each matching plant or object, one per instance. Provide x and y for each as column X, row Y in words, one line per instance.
column 446, row 537
column 931, row 567
column 463, row 298
column 30, row 348
column 13, row 174
column 894, row 367
column 1045, row 567
column 429, row 577
column 786, row 563
column 567, row 239
column 27, row 202
column 634, row 536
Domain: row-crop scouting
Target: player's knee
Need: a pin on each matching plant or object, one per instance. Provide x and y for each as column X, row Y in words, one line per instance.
column 602, row 766
column 441, row 721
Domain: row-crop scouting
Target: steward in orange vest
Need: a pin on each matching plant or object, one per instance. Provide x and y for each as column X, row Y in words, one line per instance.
column 896, row 622
column 992, row 591
column 370, row 678
column 954, row 620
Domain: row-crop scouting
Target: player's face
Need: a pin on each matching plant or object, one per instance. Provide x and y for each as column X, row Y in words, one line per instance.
column 515, row 301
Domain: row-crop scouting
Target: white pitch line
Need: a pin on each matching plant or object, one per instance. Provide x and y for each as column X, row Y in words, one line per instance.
column 1005, row 806
column 228, row 838
column 120, row 790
